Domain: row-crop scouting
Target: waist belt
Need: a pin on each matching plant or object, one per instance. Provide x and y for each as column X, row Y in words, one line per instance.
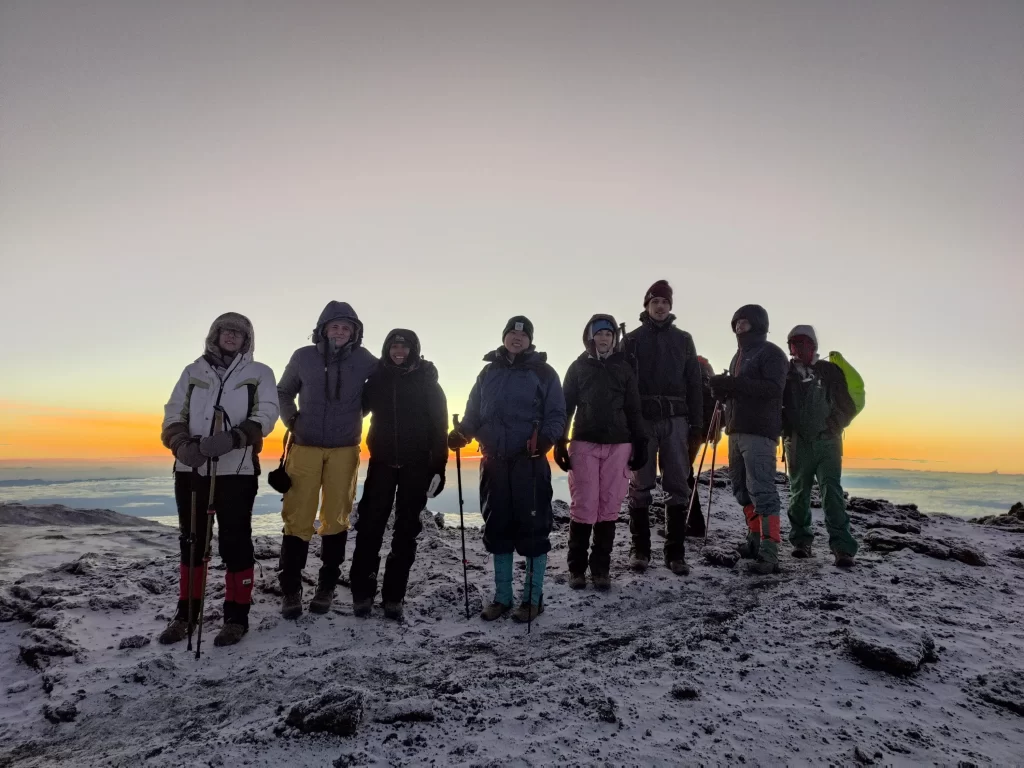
column 656, row 407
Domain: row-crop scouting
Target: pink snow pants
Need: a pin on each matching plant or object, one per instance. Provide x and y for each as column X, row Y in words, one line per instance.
column 598, row 480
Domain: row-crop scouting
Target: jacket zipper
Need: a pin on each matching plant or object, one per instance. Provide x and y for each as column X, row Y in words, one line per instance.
column 394, row 408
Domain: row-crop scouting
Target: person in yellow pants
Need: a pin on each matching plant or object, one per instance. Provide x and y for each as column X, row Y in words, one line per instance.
column 323, row 462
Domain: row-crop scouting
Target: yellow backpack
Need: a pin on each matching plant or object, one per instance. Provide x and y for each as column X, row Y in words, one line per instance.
column 854, row 381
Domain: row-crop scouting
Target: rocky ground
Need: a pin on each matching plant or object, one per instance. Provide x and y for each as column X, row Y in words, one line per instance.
column 916, row 656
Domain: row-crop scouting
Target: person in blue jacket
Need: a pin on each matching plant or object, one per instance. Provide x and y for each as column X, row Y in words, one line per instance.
column 516, row 412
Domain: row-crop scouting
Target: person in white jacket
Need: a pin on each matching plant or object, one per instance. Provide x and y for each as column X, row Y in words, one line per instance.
column 226, row 379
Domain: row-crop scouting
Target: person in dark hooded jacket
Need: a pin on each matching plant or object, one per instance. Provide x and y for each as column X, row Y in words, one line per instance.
column 752, row 393
column 600, row 389
column 323, row 461
column 226, row 382
column 408, row 450
column 516, row 411
column 672, row 404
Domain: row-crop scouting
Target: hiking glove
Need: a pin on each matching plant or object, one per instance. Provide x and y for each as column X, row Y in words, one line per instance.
column 457, row 440
column 217, row 445
column 188, row 453
column 722, row 386
column 639, row 458
column 562, row 455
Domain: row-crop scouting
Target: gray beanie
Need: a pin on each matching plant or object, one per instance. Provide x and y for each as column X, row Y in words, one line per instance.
column 803, row 330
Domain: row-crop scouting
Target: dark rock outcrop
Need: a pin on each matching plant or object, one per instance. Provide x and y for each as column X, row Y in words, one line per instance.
column 894, row 648
column 338, row 711
column 1011, row 521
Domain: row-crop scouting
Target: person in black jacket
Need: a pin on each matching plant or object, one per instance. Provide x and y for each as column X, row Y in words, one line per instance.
column 408, row 450
column 600, row 388
column 672, row 404
column 752, row 393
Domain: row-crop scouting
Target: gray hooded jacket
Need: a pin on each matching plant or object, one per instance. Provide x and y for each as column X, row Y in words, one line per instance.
column 329, row 386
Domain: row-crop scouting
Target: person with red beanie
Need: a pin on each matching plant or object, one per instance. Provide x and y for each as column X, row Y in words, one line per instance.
column 672, row 406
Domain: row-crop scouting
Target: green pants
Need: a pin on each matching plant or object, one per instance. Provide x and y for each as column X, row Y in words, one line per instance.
column 805, row 460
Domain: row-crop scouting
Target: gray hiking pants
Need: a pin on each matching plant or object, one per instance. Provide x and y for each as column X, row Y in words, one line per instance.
column 752, row 471
column 667, row 445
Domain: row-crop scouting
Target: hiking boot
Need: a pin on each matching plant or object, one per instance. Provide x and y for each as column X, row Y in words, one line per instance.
column 602, row 580
column 678, row 567
column 527, row 612
column 494, row 611
column 762, row 568
column 749, row 550
column 362, row 608
column 638, row 561
column 844, row 560
column 803, row 551
column 321, row 602
column 577, row 581
column 176, row 631
column 393, row 610
column 291, row 605
column 230, row 634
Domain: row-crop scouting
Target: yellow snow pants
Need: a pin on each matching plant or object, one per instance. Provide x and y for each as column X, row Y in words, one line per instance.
column 323, row 479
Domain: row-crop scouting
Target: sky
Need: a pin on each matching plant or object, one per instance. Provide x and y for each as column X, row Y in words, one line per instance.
column 444, row 166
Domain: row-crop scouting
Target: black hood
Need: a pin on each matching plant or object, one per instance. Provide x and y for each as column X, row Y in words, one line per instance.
column 755, row 314
column 594, row 319
column 411, row 340
column 758, row 318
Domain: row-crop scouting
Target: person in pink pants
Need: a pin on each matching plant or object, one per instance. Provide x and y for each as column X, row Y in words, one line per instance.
column 607, row 442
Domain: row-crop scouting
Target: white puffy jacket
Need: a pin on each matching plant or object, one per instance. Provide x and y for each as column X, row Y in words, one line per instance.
column 247, row 391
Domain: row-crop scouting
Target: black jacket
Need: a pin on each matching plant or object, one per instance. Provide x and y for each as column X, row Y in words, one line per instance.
column 811, row 415
column 604, row 396
column 667, row 370
column 409, row 412
column 759, row 369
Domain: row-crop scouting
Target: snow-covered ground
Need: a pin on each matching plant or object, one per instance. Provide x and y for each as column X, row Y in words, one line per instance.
column 913, row 657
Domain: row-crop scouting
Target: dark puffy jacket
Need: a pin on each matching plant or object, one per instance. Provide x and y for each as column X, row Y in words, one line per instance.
column 668, row 374
column 818, row 406
column 760, row 369
column 603, row 394
column 508, row 398
column 409, row 412
column 329, row 387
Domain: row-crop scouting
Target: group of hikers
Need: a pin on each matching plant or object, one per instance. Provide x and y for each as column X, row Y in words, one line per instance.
column 642, row 401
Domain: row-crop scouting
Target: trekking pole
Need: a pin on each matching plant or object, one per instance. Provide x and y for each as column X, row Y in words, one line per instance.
column 211, row 513
column 696, row 478
column 462, row 522
column 717, row 420
column 529, row 560
column 192, row 558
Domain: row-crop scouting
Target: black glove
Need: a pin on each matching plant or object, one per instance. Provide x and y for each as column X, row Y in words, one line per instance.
column 457, row 440
column 639, row 458
column 562, row 455
column 722, row 386
column 188, row 453
column 219, row 444
column 543, row 446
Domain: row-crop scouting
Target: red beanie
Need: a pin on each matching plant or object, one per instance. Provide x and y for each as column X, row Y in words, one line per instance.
column 661, row 290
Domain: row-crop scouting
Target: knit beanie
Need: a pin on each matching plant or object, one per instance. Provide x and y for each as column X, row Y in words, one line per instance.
column 803, row 330
column 601, row 325
column 661, row 290
column 518, row 323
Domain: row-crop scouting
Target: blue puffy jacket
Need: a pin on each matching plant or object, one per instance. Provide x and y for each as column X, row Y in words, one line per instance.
column 508, row 398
